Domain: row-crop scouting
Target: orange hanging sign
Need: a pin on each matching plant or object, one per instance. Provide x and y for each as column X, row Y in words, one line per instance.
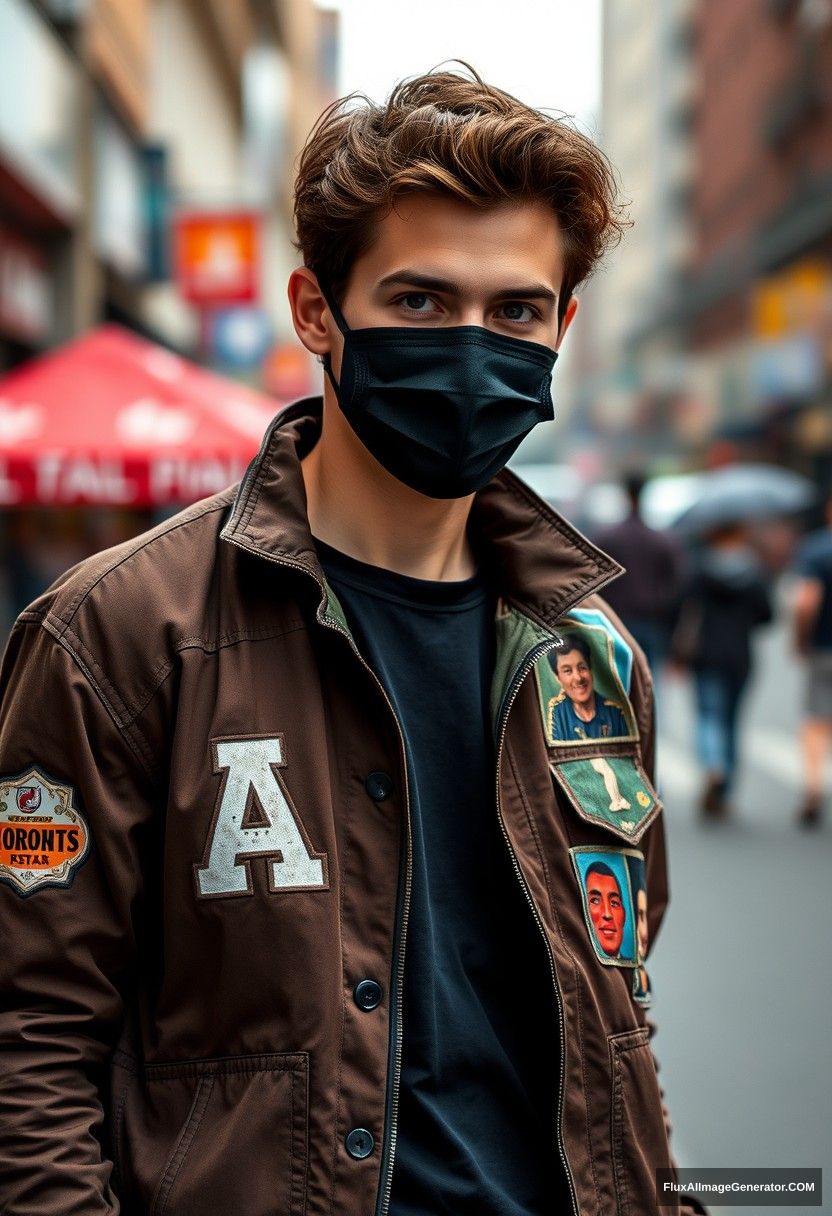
column 217, row 257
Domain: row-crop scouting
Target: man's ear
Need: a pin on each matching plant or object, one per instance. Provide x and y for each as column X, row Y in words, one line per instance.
column 310, row 314
column 568, row 316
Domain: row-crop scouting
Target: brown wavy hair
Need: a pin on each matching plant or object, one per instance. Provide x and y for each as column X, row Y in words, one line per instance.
column 453, row 134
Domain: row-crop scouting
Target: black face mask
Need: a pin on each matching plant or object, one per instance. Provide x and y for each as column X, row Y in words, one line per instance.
column 441, row 409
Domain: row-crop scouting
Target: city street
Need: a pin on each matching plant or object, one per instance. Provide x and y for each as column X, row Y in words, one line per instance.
column 327, row 253
column 741, row 971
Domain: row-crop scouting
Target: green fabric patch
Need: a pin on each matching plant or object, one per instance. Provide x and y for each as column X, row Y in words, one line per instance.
column 334, row 613
column 517, row 637
column 612, row 791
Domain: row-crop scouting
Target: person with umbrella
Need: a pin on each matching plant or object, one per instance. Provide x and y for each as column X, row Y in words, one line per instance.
column 725, row 598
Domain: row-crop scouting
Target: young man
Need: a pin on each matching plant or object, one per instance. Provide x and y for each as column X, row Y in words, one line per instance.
column 312, row 941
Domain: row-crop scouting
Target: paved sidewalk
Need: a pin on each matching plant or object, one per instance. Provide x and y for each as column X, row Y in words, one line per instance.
column 742, row 971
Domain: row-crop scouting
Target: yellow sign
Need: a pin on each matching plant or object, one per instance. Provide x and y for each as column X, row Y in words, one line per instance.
column 794, row 301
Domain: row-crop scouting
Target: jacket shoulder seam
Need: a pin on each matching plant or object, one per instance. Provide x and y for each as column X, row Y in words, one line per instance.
column 261, row 633
column 132, row 737
column 67, row 615
column 125, row 716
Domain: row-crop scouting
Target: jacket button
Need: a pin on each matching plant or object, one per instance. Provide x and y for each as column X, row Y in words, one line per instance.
column 367, row 995
column 360, row 1143
column 379, row 786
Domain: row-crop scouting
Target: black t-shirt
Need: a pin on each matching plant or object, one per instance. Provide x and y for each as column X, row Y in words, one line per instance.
column 479, row 1054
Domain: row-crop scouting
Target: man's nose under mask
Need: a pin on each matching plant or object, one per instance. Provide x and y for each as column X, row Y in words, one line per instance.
column 442, row 410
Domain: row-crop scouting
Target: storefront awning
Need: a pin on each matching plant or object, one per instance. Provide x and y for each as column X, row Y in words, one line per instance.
column 111, row 419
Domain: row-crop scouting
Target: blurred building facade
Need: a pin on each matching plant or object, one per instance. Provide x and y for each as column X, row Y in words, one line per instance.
column 757, row 304
column 116, row 116
column 712, row 324
column 647, row 90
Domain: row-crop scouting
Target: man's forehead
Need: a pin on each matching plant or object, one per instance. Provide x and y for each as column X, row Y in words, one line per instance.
column 480, row 251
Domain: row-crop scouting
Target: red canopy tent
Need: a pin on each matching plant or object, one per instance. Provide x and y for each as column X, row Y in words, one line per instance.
column 111, row 419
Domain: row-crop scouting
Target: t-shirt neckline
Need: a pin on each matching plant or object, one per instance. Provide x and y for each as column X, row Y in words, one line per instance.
column 377, row 581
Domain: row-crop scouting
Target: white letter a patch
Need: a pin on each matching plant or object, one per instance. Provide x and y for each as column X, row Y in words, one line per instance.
column 254, row 818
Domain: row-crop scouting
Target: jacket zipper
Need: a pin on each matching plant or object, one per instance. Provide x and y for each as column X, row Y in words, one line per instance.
column 518, row 678
column 403, row 909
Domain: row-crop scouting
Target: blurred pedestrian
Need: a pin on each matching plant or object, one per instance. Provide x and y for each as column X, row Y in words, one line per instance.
column 812, row 620
column 725, row 598
column 645, row 596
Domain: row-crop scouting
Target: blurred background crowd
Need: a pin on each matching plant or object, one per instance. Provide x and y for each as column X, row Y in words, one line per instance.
column 146, row 168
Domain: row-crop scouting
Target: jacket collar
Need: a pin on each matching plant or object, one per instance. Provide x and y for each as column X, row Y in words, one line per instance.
column 540, row 563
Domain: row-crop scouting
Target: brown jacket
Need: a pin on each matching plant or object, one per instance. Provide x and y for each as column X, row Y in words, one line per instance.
column 197, row 872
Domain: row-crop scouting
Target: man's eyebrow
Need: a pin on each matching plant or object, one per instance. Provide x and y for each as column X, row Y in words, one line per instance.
column 414, row 278
column 532, row 291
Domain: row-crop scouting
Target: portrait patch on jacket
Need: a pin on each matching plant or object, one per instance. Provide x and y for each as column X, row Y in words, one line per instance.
column 43, row 835
column 605, row 880
column 611, row 791
column 584, row 683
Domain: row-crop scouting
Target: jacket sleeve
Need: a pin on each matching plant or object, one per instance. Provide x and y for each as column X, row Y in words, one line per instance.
column 656, row 864
column 67, row 949
column 653, row 843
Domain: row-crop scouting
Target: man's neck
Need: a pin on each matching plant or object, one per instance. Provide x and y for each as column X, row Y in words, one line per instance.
column 355, row 506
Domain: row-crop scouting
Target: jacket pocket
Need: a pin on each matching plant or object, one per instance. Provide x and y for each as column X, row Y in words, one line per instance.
column 610, row 790
column 639, row 1141
column 213, row 1136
